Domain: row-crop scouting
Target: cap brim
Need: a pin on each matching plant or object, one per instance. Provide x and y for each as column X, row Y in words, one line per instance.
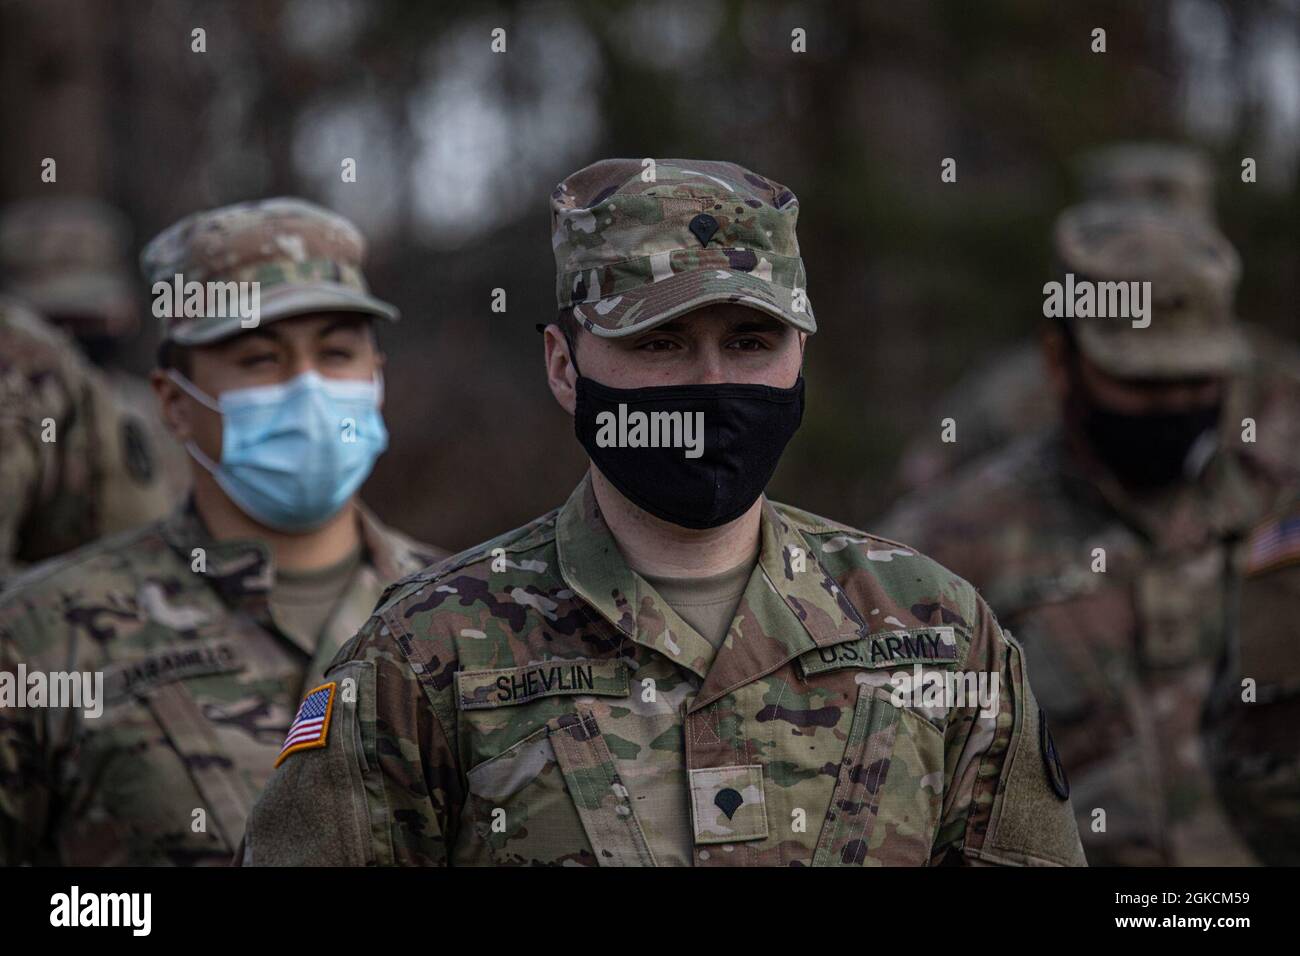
column 285, row 302
column 82, row 293
column 647, row 306
column 1128, row 354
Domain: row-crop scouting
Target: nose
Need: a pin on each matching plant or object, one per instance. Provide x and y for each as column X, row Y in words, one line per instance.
column 708, row 367
column 300, row 362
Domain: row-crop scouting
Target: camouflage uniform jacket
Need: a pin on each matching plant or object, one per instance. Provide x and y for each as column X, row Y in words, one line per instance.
column 199, row 689
column 533, row 701
column 75, row 463
column 1140, row 664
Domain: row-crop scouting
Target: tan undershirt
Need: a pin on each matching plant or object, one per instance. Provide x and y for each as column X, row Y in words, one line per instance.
column 302, row 601
column 708, row 604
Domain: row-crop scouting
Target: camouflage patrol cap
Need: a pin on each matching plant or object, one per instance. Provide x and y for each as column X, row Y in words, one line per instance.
column 633, row 250
column 1166, row 173
column 1193, row 271
column 68, row 258
column 305, row 259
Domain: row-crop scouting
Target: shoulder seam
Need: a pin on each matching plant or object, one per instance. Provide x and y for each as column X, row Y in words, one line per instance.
column 40, row 573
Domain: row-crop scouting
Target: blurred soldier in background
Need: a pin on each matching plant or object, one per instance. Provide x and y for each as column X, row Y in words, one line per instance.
column 74, row 463
column 1146, row 558
column 1002, row 398
column 84, row 449
column 70, row 258
column 208, row 626
column 671, row 669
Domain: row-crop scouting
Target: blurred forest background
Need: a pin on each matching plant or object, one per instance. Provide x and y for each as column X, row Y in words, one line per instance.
column 458, row 148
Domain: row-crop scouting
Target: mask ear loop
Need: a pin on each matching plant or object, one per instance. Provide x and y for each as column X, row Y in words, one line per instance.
column 568, row 340
column 192, row 390
column 196, row 393
column 573, row 351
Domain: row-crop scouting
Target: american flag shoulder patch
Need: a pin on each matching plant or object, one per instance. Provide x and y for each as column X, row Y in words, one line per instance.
column 1274, row 544
column 311, row 725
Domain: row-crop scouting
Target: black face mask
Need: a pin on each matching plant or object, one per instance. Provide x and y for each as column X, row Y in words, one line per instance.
column 745, row 430
column 1146, row 451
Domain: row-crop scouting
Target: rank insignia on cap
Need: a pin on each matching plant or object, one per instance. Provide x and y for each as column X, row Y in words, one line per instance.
column 311, row 725
column 703, row 227
column 1273, row 544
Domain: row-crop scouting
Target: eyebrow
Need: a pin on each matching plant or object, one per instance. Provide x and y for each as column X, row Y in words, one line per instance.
column 261, row 332
column 349, row 323
column 270, row 333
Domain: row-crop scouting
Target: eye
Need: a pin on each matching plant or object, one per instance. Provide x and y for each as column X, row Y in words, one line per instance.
column 658, row 345
column 748, row 343
column 339, row 354
column 256, row 360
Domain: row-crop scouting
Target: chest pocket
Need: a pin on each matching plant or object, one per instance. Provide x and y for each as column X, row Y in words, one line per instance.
column 225, row 793
column 1270, row 647
column 1254, row 746
column 887, row 799
column 555, row 796
column 154, row 689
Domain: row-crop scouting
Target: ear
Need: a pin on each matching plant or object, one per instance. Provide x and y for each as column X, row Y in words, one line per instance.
column 173, row 405
column 1055, row 359
column 561, row 376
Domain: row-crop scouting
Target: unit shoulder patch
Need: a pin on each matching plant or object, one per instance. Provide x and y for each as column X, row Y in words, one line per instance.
column 1052, row 760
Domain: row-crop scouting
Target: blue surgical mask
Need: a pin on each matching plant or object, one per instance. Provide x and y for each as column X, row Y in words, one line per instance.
column 292, row 454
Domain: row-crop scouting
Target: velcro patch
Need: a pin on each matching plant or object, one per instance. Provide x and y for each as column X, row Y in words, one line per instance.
column 929, row 645
column 509, row 686
column 728, row 804
column 311, row 725
column 124, row 678
column 1273, row 544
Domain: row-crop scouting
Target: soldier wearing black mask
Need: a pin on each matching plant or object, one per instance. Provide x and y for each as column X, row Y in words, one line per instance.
column 671, row 669
column 1148, row 433
column 1134, row 547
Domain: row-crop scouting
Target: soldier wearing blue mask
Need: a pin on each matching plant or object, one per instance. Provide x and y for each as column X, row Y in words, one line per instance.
column 205, row 630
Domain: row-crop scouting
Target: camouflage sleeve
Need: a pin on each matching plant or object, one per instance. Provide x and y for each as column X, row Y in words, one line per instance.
column 25, row 775
column 1007, row 800
column 20, row 478
column 381, row 789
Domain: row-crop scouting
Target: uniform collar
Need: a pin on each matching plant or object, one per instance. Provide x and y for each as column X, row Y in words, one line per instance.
column 1223, row 502
column 791, row 605
column 242, row 571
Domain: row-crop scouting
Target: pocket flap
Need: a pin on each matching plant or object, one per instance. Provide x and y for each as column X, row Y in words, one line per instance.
column 603, row 803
